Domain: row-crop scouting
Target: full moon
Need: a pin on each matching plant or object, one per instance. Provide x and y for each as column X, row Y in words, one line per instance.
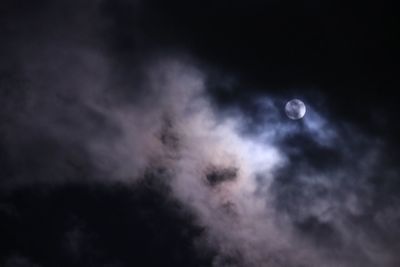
column 295, row 109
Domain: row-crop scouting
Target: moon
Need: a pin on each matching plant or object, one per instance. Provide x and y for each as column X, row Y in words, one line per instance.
column 295, row 109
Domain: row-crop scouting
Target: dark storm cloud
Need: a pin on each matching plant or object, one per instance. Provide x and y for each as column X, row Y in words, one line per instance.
column 141, row 132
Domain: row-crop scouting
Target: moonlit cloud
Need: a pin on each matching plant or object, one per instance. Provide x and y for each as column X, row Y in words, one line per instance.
column 271, row 197
column 261, row 190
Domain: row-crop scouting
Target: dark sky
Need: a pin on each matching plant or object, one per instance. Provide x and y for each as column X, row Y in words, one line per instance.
column 153, row 133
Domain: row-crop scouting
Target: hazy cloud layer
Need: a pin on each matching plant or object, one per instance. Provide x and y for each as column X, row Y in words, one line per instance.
column 292, row 193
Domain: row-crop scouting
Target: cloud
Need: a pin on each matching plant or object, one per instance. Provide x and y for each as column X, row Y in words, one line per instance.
column 289, row 194
column 282, row 194
column 19, row 261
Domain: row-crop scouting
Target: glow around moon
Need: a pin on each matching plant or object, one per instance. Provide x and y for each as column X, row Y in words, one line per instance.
column 295, row 109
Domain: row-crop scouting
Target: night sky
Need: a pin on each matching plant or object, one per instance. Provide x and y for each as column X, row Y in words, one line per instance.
column 153, row 133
